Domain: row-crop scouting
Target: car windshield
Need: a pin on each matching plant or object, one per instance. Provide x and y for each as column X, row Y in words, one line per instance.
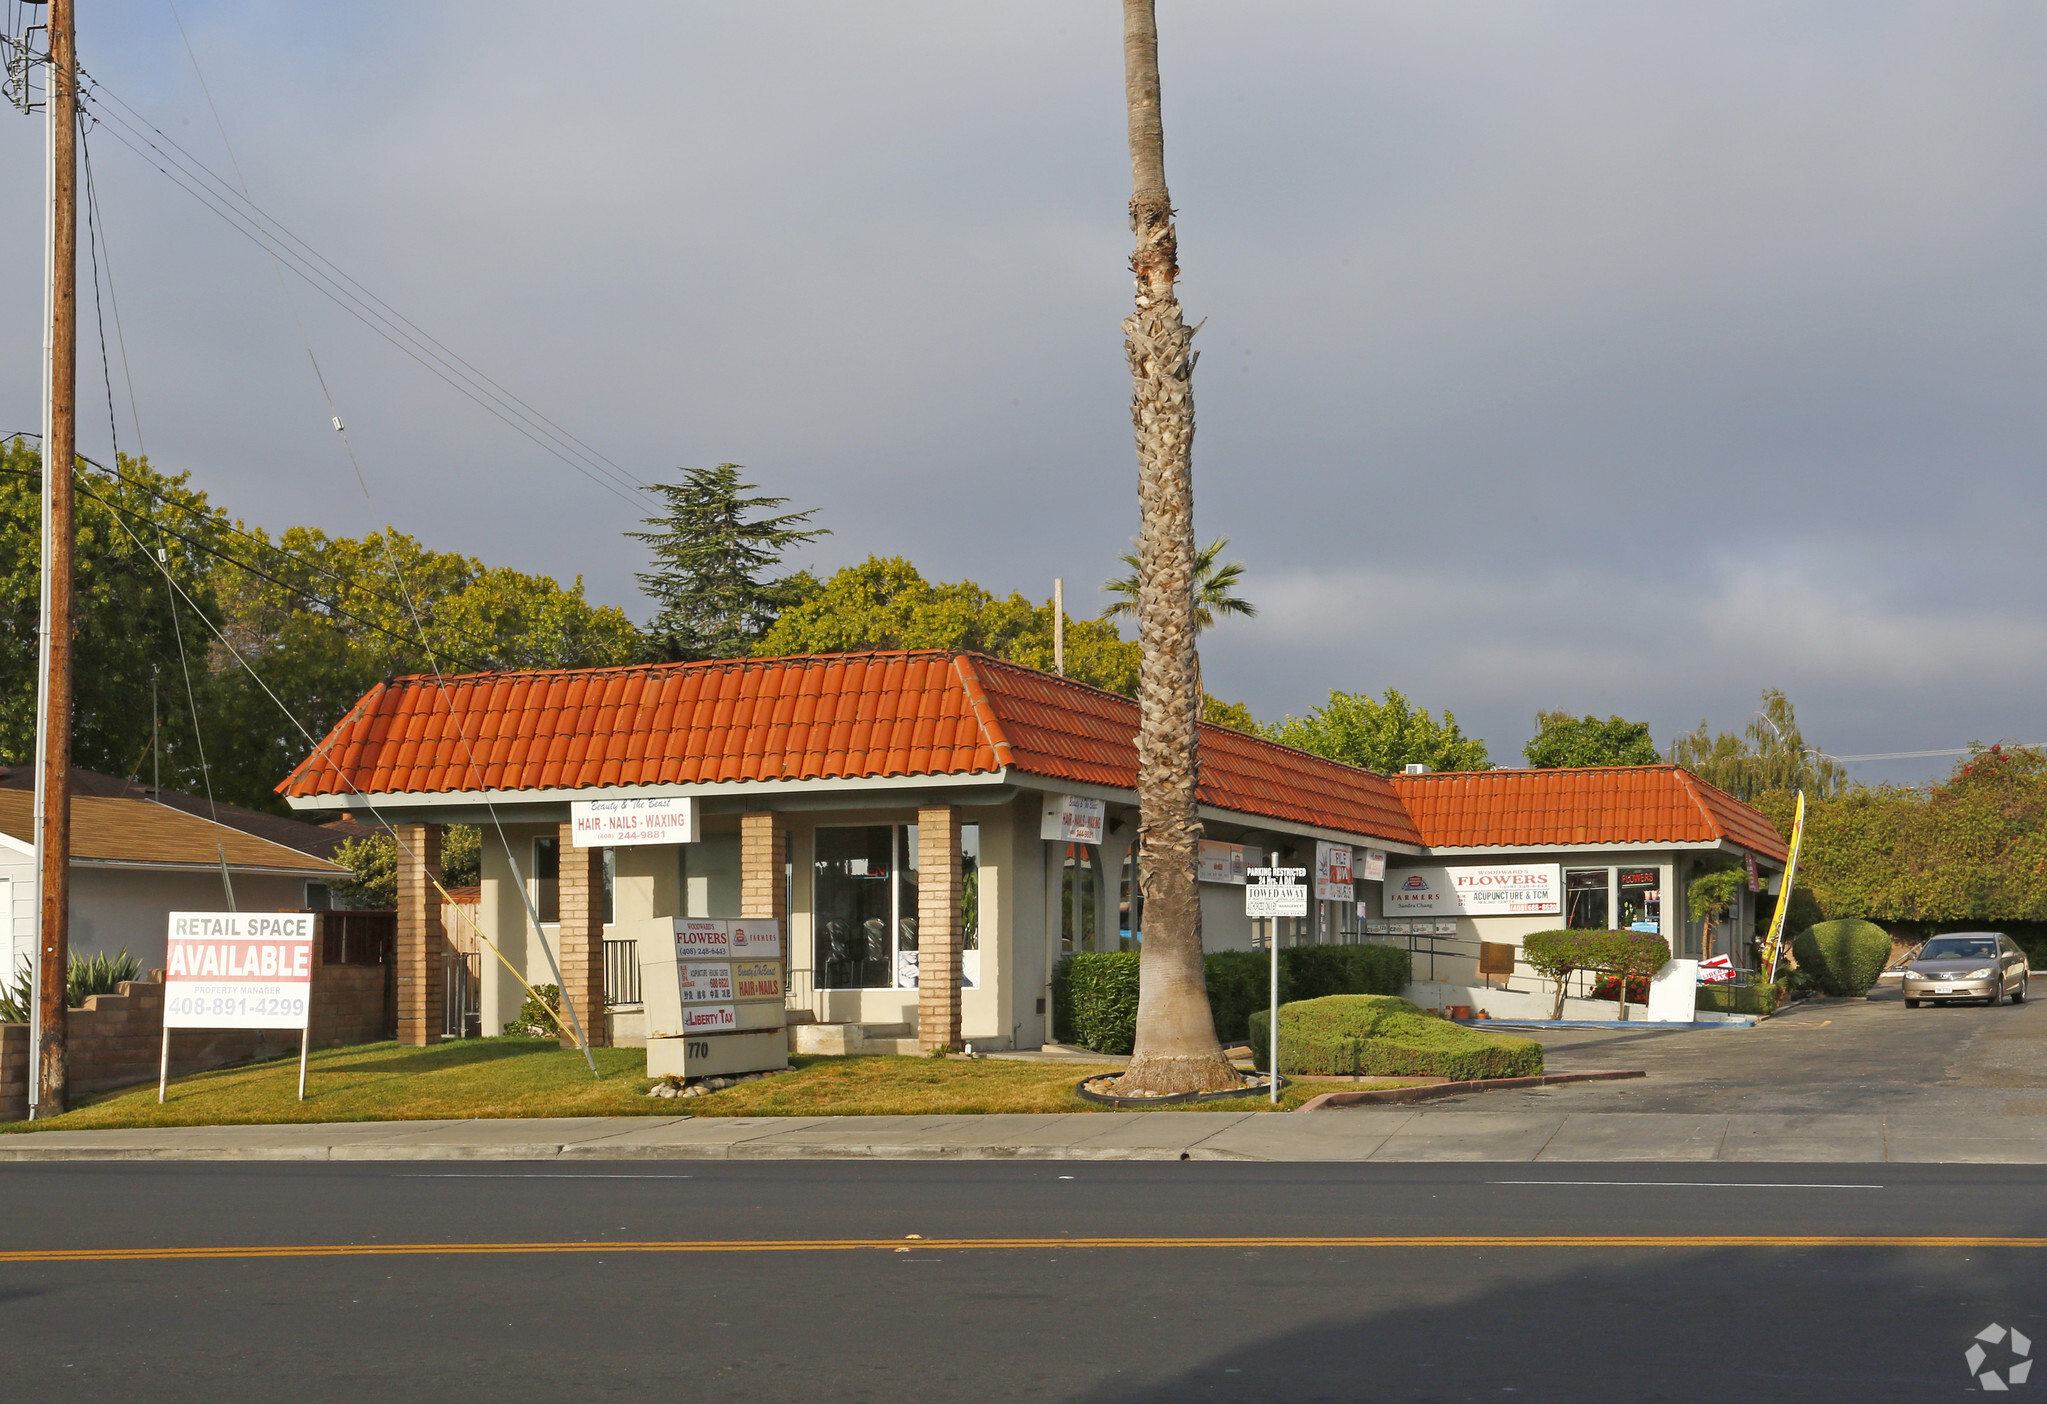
column 1960, row 948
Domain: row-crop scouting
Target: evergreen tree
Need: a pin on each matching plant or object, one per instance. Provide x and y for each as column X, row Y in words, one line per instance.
column 711, row 559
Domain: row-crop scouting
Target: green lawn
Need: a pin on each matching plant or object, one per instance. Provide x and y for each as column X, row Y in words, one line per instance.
column 508, row 1077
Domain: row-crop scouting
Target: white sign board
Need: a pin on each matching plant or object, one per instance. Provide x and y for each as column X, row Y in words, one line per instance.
column 1525, row 889
column 1073, row 819
column 1674, row 993
column 1373, row 869
column 622, row 823
column 1223, row 862
column 1276, row 892
column 1333, row 872
column 707, row 982
column 238, row 970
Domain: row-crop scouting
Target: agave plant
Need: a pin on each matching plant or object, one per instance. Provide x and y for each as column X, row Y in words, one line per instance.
column 102, row 974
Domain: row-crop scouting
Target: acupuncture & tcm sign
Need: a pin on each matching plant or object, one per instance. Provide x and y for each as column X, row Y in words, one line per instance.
column 238, row 970
column 622, row 823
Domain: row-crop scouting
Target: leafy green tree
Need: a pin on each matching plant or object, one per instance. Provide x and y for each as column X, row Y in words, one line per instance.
column 1213, row 587
column 374, row 860
column 1386, row 734
column 1234, row 715
column 713, row 555
column 885, row 603
column 1562, row 740
column 125, row 643
column 1771, row 754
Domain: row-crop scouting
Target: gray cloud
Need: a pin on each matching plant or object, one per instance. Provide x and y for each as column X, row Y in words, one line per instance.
column 1588, row 355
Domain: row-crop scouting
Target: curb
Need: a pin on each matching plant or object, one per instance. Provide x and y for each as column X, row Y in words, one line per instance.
column 1329, row 1100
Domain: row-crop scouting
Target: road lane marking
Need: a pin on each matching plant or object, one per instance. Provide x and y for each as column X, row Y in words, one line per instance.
column 542, row 1175
column 1691, row 1184
column 830, row 1245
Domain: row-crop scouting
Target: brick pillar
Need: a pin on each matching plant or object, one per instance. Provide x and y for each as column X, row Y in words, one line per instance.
column 582, row 935
column 939, row 871
column 763, row 870
column 421, row 938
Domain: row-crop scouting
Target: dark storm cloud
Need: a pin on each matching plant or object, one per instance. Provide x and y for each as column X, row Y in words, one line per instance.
column 1596, row 356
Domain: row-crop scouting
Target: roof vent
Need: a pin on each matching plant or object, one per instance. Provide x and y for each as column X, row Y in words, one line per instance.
column 1416, row 768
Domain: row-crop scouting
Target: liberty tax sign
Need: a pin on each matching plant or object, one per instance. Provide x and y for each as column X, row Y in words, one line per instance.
column 238, row 970
column 1527, row 889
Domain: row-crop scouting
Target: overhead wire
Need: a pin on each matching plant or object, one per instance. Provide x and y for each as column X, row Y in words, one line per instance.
column 241, row 213
column 319, row 749
column 397, row 572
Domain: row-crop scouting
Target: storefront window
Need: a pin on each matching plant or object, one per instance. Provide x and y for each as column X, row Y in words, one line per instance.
column 1585, row 894
column 1080, row 898
column 1130, row 911
column 854, row 903
column 864, row 905
column 1642, row 899
column 547, row 878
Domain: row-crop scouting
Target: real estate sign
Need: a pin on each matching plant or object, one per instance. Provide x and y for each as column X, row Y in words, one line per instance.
column 238, row 970
column 1510, row 890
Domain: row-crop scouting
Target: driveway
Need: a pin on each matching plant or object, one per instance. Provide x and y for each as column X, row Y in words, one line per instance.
column 1827, row 1055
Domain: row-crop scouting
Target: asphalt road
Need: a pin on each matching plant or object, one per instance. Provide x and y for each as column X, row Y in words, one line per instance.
column 1829, row 1055
column 1189, row 1318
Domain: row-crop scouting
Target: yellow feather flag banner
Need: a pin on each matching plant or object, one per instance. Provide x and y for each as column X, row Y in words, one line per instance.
column 1774, row 946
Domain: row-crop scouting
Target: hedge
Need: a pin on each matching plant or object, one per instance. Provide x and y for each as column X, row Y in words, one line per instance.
column 1845, row 956
column 1094, row 995
column 1381, row 1036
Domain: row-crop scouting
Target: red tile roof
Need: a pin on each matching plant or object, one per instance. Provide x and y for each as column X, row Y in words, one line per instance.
column 839, row 716
column 870, row 715
column 1620, row 804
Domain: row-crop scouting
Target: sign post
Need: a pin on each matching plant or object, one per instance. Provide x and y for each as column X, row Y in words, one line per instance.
column 1275, row 893
column 238, row 970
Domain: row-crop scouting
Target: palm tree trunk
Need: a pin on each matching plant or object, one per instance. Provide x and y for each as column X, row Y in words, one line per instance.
column 1176, row 1047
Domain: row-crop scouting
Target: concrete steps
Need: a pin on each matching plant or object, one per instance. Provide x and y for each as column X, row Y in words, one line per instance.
column 849, row 1040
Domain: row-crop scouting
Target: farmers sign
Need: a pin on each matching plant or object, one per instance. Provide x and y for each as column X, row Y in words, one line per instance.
column 1529, row 889
column 238, row 970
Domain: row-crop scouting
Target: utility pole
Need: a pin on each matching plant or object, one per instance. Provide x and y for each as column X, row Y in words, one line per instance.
column 1059, row 625
column 53, row 717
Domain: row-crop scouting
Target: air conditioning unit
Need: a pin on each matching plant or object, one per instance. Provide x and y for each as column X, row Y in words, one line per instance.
column 1417, row 768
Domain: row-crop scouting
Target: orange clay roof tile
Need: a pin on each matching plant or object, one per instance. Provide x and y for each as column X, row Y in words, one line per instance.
column 833, row 717
column 1606, row 805
column 857, row 716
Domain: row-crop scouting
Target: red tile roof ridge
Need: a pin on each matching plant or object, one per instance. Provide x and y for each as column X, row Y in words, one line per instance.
column 1537, row 770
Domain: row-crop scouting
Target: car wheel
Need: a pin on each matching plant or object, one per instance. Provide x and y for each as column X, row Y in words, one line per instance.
column 2020, row 997
column 1911, row 1004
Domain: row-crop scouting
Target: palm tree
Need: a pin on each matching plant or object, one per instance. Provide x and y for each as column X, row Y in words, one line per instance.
column 1212, row 586
column 1176, row 1049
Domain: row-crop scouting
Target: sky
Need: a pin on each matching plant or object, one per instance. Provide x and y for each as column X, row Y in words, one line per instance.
column 1606, row 357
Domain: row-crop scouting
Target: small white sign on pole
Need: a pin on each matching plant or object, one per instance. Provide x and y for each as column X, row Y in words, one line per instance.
column 1073, row 819
column 623, row 823
column 238, row 970
column 1275, row 892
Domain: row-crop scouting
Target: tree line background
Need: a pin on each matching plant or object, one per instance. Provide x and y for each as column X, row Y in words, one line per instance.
column 211, row 653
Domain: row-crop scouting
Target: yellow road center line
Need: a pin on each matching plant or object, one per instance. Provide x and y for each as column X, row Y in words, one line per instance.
column 830, row 1245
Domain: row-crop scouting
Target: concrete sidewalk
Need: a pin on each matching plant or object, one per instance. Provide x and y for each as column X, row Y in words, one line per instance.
column 1376, row 1134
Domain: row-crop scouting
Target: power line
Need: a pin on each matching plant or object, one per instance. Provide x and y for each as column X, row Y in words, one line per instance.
column 1922, row 755
column 252, row 222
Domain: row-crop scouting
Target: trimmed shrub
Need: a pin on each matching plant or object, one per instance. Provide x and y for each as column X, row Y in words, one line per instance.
column 1240, row 982
column 1094, row 1000
column 537, row 1016
column 1845, row 956
column 1094, row 995
column 1557, row 955
column 1384, row 1036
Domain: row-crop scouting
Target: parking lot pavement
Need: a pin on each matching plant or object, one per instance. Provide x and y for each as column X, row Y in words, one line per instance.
column 1823, row 1057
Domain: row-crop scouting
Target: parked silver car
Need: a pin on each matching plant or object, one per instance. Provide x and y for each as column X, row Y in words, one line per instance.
column 1966, row 965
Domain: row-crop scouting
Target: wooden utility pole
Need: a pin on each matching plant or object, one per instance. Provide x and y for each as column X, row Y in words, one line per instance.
column 53, row 718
